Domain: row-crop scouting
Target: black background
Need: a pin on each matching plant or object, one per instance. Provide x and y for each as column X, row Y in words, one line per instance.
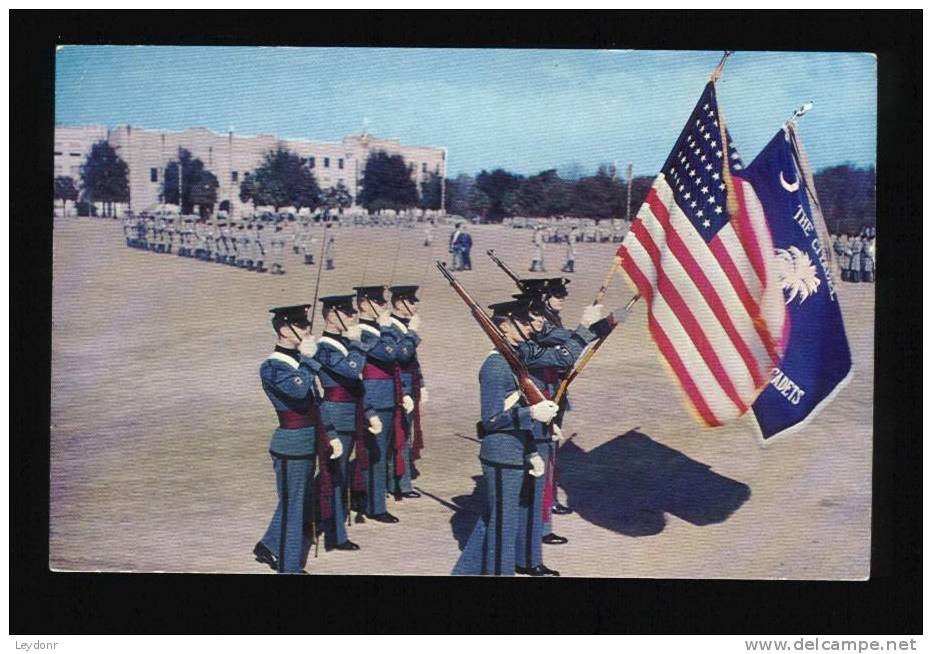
column 62, row 603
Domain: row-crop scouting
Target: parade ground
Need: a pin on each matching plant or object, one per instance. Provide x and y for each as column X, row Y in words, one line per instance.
column 160, row 428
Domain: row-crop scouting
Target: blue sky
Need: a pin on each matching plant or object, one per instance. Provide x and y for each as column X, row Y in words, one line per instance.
column 523, row 110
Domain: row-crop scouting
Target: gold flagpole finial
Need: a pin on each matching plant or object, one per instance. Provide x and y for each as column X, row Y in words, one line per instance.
column 717, row 72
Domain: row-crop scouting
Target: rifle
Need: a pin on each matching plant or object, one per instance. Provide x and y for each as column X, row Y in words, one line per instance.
column 508, row 271
column 548, row 312
column 525, row 383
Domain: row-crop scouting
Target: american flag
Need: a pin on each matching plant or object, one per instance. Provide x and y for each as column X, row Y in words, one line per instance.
column 702, row 260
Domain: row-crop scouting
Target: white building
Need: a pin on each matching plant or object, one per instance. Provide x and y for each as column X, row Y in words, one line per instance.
column 231, row 157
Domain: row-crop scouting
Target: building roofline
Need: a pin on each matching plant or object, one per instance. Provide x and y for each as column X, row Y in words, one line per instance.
column 240, row 135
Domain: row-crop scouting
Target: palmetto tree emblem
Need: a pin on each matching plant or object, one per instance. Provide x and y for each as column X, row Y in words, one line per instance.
column 796, row 273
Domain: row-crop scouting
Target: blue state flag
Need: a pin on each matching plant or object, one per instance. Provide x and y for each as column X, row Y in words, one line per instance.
column 817, row 360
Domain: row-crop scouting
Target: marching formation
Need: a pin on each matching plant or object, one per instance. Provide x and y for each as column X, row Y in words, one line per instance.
column 348, row 404
column 856, row 255
column 242, row 243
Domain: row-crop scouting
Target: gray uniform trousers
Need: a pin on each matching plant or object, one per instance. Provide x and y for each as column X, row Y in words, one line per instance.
column 294, row 474
column 334, row 528
column 380, row 463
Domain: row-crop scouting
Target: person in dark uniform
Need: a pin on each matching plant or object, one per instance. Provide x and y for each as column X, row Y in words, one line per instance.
column 411, row 392
column 288, row 379
column 378, row 379
column 548, row 354
column 511, row 463
column 342, row 357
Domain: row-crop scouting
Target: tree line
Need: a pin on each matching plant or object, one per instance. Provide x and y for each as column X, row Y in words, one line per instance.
column 283, row 178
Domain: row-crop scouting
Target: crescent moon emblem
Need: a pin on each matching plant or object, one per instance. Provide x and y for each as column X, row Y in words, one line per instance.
column 792, row 188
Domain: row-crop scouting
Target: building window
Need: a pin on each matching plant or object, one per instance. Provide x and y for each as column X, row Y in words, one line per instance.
column 437, row 169
column 424, row 167
column 153, row 174
column 326, row 162
column 235, row 176
column 57, row 153
column 340, row 164
column 310, row 162
column 75, row 154
column 246, row 175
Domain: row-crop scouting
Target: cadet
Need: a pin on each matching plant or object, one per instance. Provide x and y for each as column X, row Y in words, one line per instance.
column 277, row 250
column 868, row 261
column 405, row 322
column 210, row 242
column 342, row 356
column 537, row 263
column 378, row 378
column 570, row 265
column 508, row 456
column 220, row 243
column 240, row 245
column 258, row 249
column 329, row 247
column 844, row 257
column 128, row 223
column 248, row 250
column 288, row 379
column 170, row 234
column 854, row 263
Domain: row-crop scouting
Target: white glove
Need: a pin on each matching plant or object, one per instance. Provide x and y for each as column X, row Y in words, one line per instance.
column 544, row 411
column 557, row 434
column 591, row 314
column 408, row 403
column 337, row 446
column 424, row 396
column 415, row 323
column 375, row 425
column 308, row 347
column 537, row 466
column 354, row 333
column 384, row 319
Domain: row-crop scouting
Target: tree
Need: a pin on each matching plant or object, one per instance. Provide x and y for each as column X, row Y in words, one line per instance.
column 282, row 179
column 387, row 183
column 431, row 192
column 639, row 188
column 198, row 185
column 495, row 185
column 599, row 196
column 105, row 176
column 337, row 197
column 848, row 197
column 464, row 198
column 543, row 194
column 65, row 190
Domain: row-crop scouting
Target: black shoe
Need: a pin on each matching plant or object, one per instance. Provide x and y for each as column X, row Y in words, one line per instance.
column 386, row 517
column 537, row 571
column 346, row 546
column 264, row 555
column 559, row 509
column 410, row 494
column 360, row 519
column 553, row 539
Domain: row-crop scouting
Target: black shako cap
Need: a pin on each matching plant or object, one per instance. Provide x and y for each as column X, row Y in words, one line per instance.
column 406, row 292
column 342, row 303
column 371, row 292
column 296, row 313
column 515, row 308
column 557, row 286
